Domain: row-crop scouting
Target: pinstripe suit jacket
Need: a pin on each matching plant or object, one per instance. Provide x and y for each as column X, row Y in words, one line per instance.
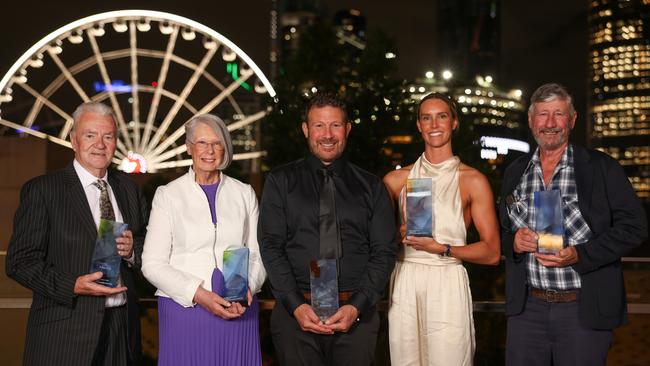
column 52, row 244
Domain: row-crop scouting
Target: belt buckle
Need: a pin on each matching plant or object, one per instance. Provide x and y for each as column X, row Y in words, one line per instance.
column 551, row 295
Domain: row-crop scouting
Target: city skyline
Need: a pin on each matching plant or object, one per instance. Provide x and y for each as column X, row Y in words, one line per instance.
column 540, row 42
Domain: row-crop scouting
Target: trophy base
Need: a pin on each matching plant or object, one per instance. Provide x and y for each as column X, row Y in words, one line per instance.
column 549, row 243
column 242, row 302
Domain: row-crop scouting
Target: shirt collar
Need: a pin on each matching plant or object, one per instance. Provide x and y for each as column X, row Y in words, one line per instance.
column 84, row 176
column 336, row 166
column 567, row 157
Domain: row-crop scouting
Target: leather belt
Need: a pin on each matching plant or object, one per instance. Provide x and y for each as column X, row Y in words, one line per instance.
column 554, row 295
column 343, row 296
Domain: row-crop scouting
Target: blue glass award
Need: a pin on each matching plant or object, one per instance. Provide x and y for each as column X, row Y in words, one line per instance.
column 419, row 207
column 105, row 257
column 549, row 223
column 235, row 275
column 323, row 279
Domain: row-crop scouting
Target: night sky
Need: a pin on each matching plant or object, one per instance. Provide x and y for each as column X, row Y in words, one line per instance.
column 542, row 41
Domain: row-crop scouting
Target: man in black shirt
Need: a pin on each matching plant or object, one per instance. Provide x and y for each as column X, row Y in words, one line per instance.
column 291, row 235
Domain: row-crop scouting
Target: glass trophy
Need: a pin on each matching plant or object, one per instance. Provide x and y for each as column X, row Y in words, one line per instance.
column 235, row 275
column 323, row 280
column 419, row 207
column 105, row 257
column 549, row 223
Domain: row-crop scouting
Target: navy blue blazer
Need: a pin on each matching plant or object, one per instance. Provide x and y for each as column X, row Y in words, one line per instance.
column 618, row 222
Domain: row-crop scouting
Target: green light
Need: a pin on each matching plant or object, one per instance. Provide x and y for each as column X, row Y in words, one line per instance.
column 233, row 69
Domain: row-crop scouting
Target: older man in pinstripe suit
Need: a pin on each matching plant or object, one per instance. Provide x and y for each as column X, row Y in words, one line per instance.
column 73, row 320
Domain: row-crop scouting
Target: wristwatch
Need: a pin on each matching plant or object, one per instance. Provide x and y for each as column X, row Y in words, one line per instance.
column 447, row 252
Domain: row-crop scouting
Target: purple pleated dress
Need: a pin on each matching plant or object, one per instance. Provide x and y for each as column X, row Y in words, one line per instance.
column 195, row 336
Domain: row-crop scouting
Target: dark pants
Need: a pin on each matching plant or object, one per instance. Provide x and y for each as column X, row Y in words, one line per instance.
column 294, row 347
column 112, row 348
column 547, row 334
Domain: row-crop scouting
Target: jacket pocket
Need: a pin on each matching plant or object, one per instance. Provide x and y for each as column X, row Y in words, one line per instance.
column 48, row 314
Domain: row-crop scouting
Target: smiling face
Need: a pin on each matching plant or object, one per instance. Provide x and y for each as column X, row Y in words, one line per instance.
column 551, row 122
column 206, row 150
column 436, row 123
column 93, row 140
column 326, row 131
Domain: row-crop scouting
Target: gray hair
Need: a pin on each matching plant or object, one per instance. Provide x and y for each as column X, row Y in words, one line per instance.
column 219, row 127
column 94, row 108
column 548, row 93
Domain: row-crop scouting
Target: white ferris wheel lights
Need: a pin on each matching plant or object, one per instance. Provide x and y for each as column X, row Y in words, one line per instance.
column 56, row 47
column 76, row 37
column 97, row 30
column 209, row 43
column 74, row 34
column 259, row 87
column 166, row 28
column 120, row 26
column 188, row 34
column 228, row 55
column 244, row 70
column 21, row 77
column 37, row 62
column 144, row 26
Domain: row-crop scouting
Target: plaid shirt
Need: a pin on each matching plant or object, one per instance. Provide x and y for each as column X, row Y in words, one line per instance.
column 522, row 214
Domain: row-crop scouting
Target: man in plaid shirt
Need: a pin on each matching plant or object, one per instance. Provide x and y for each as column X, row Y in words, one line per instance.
column 562, row 307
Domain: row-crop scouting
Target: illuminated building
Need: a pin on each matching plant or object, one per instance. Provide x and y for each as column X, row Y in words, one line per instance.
column 620, row 86
column 289, row 18
column 497, row 116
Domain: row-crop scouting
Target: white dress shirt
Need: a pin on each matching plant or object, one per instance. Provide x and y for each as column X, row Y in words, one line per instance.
column 92, row 195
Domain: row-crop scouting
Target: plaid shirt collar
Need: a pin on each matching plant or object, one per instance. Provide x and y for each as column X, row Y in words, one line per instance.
column 535, row 161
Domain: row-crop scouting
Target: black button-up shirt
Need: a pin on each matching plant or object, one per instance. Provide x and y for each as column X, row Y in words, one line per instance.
column 288, row 230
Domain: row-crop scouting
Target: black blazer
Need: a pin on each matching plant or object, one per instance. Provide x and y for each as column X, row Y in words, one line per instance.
column 52, row 244
column 618, row 222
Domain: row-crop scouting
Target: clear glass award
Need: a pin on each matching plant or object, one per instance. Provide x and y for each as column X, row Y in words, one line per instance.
column 549, row 223
column 419, row 207
column 323, row 279
column 235, row 275
column 105, row 257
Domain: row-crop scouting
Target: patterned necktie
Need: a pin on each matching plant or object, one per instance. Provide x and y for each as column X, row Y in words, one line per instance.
column 105, row 207
column 330, row 239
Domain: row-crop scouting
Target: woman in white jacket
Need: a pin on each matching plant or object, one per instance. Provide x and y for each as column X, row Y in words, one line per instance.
column 193, row 220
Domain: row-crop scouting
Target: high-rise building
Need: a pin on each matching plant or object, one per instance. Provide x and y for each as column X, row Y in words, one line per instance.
column 619, row 105
column 289, row 18
column 469, row 37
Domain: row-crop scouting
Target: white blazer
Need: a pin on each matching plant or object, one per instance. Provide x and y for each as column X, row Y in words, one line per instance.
column 183, row 246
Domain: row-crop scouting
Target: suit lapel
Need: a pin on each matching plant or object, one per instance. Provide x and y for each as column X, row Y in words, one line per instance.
column 509, row 183
column 77, row 197
column 120, row 196
column 518, row 171
column 584, row 177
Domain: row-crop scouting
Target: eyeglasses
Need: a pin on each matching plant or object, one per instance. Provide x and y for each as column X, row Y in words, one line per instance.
column 204, row 145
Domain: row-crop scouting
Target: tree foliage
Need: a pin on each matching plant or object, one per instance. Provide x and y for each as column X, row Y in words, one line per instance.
column 379, row 108
column 365, row 79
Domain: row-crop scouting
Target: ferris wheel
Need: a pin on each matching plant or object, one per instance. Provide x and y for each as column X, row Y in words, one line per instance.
column 157, row 70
